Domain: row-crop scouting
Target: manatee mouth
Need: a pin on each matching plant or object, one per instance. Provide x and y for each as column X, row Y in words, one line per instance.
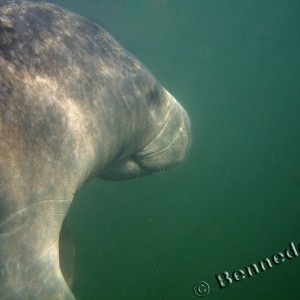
column 127, row 169
column 169, row 147
column 166, row 158
column 163, row 152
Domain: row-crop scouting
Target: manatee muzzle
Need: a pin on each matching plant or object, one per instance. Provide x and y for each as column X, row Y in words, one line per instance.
column 171, row 144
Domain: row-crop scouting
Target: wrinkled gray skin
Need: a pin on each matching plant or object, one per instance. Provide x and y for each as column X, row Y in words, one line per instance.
column 73, row 105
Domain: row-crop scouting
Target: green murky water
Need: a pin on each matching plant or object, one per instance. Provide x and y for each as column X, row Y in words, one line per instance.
column 235, row 66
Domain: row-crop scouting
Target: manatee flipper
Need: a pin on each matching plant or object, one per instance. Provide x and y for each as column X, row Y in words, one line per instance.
column 67, row 254
column 29, row 252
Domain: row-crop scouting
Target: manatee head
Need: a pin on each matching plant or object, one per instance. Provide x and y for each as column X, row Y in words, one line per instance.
column 164, row 136
column 170, row 139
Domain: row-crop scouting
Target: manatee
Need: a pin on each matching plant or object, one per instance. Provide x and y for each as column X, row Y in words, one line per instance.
column 74, row 105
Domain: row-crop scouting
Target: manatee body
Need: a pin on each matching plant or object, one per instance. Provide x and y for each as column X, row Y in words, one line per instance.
column 73, row 105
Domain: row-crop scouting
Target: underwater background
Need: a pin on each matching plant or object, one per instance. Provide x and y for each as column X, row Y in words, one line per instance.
column 235, row 66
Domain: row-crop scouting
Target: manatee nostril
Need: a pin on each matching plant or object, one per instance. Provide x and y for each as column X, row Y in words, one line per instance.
column 153, row 96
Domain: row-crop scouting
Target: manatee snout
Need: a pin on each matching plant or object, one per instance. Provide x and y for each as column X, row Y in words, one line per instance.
column 165, row 144
column 172, row 142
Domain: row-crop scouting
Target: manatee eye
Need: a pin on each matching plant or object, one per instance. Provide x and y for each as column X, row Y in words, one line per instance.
column 153, row 96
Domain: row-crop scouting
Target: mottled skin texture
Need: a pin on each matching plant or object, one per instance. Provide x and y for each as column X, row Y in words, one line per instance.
column 73, row 105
